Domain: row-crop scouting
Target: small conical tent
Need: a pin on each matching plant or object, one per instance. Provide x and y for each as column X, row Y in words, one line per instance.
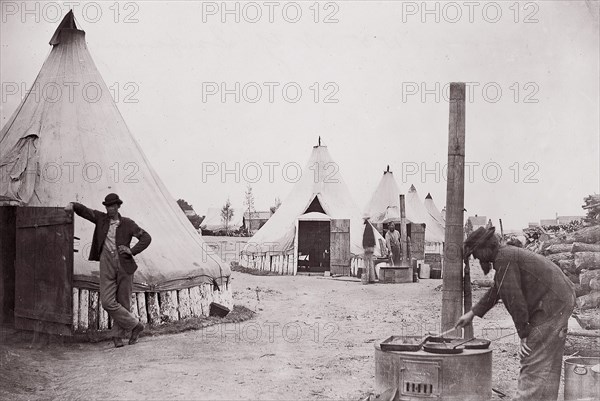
column 320, row 182
column 214, row 220
column 434, row 231
column 72, row 144
column 384, row 206
column 433, row 210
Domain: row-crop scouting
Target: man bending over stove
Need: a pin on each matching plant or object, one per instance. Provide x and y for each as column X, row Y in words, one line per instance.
column 540, row 299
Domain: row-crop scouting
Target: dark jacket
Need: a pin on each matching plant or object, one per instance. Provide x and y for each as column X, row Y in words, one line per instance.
column 126, row 230
column 532, row 288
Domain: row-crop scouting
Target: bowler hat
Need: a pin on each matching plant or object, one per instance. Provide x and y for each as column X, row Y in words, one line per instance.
column 112, row 199
column 477, row 238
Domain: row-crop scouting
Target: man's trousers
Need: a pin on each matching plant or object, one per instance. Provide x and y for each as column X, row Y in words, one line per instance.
column 539, row 377
column 116, row 286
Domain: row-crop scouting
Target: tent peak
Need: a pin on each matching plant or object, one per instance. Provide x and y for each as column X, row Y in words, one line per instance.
column 68, row 22
column 428, row 196
column 412, row 188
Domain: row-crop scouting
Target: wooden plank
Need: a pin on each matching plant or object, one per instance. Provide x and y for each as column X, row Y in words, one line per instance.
column 44, row 268
column 42, row 216
column 452, row 292
column 417, row 241
column 168, row 306
column 153, row 308
column 340, row 226
column 84, row 299
column 195, row 302
column 75, row 317
column 93, row 313
column 102, row 318
column 183, row 297
column 43, row 326
column 340, row 247
column 7, row 263
column 205, row 293
column 141, row 305
column 133, row 306
column 43, row 315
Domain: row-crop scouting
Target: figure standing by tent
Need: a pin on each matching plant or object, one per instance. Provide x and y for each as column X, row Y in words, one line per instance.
column 111, row 247
column 392, row 240
column 540, row 299
column 368, row 243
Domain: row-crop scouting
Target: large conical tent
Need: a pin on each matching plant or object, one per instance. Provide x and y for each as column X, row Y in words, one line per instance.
column 320, row 183
column 72, row 144
column 384, row 206
column 434, row 211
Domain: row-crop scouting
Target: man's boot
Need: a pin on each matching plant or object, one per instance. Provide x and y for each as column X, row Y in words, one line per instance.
column 135, row 333
column 118, row 342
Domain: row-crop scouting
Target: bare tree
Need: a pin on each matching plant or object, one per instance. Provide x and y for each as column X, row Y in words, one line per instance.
column 227, row 215
column 249, row 202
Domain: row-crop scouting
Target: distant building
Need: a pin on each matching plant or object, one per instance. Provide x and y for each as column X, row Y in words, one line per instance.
column 478, row 221
column 560, row 220
column 189, row 212
column 533, row 224
column 258, row 219
column 568, row 219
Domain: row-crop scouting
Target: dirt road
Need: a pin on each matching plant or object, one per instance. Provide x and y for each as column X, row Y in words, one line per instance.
column 312, row 338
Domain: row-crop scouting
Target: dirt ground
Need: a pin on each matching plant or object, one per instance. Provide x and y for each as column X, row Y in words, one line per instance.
column 311, row 339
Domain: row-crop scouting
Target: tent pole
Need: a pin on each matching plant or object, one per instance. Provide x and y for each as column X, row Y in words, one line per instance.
column 403, row 236
column 452, row 295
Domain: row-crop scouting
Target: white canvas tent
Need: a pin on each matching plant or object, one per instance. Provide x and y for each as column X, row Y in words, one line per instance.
column 72, row 144
column 434, row 211
column 214, row 220
column 384, row 206
column 434, row 231
column 320, row 195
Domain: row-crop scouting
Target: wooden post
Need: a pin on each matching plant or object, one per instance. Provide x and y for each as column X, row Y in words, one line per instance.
column 75, row 308
column 93, row 311
column 452, row 295
column 403, row 236
column 468, row 300
column 141, row 304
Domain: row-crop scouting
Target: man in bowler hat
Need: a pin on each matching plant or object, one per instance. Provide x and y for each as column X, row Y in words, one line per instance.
column 540, row 299
column 111, row 247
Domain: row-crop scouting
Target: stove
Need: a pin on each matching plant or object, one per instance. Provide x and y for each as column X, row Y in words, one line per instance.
column 423, row 375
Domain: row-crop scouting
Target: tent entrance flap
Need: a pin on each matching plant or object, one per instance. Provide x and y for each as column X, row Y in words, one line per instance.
column 313, row 246
column 340, row 247
column 44, row 270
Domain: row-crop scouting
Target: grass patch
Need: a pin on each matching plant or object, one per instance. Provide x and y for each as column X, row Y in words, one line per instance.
column 238, row 314
column 237, row 268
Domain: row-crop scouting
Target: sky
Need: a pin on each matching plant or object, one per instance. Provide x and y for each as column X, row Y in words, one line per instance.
column 222, row 95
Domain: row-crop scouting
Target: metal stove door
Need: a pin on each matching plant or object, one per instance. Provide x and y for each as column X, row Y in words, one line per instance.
column 420, row 379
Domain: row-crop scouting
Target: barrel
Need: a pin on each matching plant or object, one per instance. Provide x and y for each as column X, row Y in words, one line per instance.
column 582, row 379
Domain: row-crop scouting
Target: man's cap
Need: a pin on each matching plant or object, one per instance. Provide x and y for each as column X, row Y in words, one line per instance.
column 476, row 239
column 112, row 199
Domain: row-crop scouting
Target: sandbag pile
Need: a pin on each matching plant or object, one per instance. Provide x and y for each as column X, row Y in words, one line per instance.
column 578, row 256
